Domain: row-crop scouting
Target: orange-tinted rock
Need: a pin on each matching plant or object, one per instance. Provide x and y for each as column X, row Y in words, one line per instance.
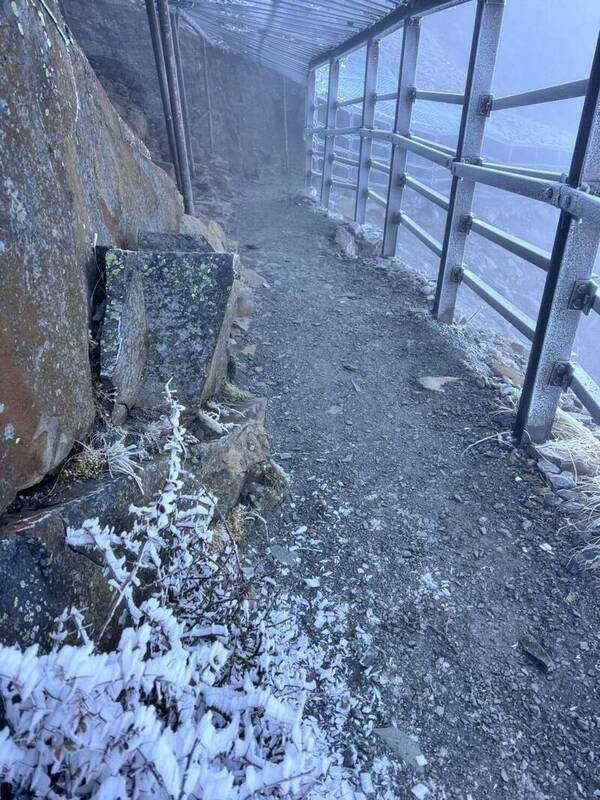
column 72, row 172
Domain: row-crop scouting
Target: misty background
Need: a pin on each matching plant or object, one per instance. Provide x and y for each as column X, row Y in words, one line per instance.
column 543, row 42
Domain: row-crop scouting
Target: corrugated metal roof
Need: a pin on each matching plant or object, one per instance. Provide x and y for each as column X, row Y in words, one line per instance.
column 289, row 35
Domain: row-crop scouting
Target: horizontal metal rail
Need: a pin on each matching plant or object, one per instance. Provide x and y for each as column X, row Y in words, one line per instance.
column 343, row 184
column 428, row 192
column 383, row 98
column 503, row 306
column 439, row 97
column 342, row 131
column 549, row 94
column 379, row 166
column 545, row 175
column 587, row 390
column 377, row 198
column 576, row 202
column 421, row 234
column 436, row 145
column 529, row 252
column 353, row 101
column 351, row 162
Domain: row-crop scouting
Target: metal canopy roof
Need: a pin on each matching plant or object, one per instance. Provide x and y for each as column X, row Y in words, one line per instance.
column 290, row 36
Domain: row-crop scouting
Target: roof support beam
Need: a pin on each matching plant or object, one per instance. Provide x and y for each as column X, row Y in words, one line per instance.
column 159, row 59
column 176, row 107
column 384, row 26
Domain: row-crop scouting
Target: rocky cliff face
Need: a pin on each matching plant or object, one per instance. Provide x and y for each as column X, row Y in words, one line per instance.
column 73, row 173
column 247, row 99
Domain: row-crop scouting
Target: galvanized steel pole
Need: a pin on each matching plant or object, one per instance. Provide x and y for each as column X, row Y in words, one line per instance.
column 208, row 97
column 477, row 106
column 286, row 144
column 332, row 92
column 549, row 371
column 404, row 108
column 309, row 111
column 182, row 91
column 368, row 118
column 163, row 85
column 171, row 69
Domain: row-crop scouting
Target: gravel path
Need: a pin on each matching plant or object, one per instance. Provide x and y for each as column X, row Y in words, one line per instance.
column 420, row 565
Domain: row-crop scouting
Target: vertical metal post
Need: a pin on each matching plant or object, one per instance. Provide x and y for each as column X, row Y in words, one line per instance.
column 404, row 108
column 332, row 92
column 309, row 121
column 171, row 69
column 286, row 145
column 573, row 255
column 211, row 141
column 368, row 118
column 163, row 85
column 476, row 108
column 182, row 92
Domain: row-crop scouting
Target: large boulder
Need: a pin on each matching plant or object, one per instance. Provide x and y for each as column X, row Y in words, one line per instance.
column 189, row 302
column 72, row 172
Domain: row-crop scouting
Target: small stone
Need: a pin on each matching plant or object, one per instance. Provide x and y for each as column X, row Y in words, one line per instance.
column 345, row 243
column 420, row 791
column 564, row 480
column 547, row 467
column 535, row 651
column 350, row 756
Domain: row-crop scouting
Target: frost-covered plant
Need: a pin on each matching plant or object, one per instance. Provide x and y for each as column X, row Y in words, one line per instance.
column 198, row 700
column 107, row 451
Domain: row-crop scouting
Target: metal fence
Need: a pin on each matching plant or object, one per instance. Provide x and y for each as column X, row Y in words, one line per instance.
column 569, row 291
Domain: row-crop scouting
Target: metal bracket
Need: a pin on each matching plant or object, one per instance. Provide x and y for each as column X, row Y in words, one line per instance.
column 486, row 102
column 583, row 295
column 402, row 179
column 457, row 274
column 466, row 223
column 411, row 93
column 562, row 375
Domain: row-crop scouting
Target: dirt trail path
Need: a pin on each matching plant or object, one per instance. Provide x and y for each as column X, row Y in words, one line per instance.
column 425, row 564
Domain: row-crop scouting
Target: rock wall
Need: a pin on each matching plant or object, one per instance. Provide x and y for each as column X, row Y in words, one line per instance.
column 72, row 173
column 247, row 99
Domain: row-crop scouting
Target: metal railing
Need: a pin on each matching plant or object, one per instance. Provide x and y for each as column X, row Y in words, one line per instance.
column 569, row 290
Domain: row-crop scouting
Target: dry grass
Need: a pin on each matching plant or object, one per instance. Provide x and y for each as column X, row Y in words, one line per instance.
column 105, row 452
column 573, row 444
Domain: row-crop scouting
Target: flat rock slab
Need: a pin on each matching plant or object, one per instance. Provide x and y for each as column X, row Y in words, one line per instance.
column 173, row 242
column 188, row 301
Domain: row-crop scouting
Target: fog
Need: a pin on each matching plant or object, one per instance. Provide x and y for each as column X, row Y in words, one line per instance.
column 543, row 42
